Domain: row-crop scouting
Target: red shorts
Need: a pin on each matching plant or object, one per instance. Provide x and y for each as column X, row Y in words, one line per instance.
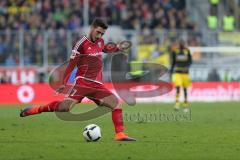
column 92, row 90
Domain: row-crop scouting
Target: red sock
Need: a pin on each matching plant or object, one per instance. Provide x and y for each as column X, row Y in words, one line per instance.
column 117, row 119
column 51, row 107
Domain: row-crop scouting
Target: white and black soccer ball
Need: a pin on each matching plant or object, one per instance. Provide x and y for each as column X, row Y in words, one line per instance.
column 92, row 132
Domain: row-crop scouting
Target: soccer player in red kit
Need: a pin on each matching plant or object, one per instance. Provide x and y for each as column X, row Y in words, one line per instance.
column 87, row 56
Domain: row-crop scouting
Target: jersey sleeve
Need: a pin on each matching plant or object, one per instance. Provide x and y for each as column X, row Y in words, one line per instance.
column 74, row 59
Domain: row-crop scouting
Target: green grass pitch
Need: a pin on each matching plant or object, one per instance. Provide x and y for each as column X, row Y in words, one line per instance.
column 211, row 131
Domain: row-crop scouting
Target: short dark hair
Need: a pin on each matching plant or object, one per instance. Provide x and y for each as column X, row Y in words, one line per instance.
column 98, row 22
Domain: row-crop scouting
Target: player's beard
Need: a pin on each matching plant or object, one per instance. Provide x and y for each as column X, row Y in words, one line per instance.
column 95, row 39
column 92, row 38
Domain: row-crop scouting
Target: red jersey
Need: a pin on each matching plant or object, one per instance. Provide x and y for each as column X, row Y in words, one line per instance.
column 87, row 56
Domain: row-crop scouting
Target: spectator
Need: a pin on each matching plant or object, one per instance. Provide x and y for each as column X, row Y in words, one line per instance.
column 228, row 22
column 10, row 61
column 66, row 14
column 214, row 5
column 46, row 15
column 4, row 78
column 212, row 20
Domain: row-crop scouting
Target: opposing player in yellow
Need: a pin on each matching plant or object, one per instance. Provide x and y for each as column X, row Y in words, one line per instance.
column 181, row 60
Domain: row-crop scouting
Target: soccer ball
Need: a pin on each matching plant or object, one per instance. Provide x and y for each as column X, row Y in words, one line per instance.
column 92, row 132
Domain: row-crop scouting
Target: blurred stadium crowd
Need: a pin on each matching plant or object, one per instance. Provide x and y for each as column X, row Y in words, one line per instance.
column 149, row 17
column 67, row 14
column 36, row 16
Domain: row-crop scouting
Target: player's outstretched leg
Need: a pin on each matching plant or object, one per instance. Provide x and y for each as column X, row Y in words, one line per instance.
column 117, row 118
column 60, row 106
column 29, row 111
column 51, row 107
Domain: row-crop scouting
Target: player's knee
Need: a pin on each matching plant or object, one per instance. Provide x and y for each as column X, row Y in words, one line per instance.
column 66, row 105
column 111, row 102
column 64, row 109
column 115, row 103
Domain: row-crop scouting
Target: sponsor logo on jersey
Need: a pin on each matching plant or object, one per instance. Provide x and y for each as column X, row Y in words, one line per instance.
column 95, row 54
column 99, row 44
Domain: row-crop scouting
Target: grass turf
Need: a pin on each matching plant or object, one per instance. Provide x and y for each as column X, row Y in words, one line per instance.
column 210, row 131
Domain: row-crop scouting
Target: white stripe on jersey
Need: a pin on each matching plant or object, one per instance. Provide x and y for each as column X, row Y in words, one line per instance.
column 75, row 49
column 79, row 43
column 74, row 54
column 88, row 79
